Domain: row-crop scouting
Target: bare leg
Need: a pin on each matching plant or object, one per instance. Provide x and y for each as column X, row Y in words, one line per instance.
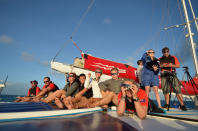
column 67, row 102
column 106, row 100
column 166, row 98
column 24, row 99
column 147, row 89
column 104, row 93
column 75, row 103
column 179, row 97
column 155, row 89
column 59, row 103
column 19, row 99
column 52, row 96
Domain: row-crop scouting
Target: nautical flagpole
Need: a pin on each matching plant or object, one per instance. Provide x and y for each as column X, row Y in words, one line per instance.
column 190, row 37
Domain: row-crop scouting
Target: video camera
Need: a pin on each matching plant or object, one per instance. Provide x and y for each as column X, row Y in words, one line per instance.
column 185, row 68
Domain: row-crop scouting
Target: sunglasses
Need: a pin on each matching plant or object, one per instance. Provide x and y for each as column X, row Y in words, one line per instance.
column 98, row 72
column 127, row 86
column 114, row 74
column 45, row 81
column 166, row 52
column 151, row 52
column 71, row 76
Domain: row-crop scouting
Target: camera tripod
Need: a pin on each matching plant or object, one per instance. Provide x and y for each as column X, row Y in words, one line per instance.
column 170, row 83
column 190, row 79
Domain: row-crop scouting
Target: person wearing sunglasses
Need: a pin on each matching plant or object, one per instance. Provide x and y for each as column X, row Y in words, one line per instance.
column 113, row 84
column 90, row 84
column 48, row 89
column 109, row 90
column 149, row 76
column 70, row 89
column 132, row 99
column 168, row 64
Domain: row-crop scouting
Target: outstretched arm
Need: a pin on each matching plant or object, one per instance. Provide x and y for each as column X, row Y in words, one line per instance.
column 79, row 94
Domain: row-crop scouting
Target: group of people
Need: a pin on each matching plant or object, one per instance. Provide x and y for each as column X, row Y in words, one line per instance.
column 148, row 69
column 87, row 91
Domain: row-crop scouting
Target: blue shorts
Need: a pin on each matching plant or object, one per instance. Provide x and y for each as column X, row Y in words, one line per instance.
column 149, row 78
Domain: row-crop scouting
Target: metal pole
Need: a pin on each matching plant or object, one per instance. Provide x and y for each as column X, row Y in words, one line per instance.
column 190, row 37
column 193, row 14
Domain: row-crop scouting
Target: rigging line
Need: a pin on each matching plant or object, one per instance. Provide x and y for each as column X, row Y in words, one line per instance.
column 76, row 28
column 193, row 14
column 184, row 29
column 76, row 46
column 156, row 34
column 82, row 18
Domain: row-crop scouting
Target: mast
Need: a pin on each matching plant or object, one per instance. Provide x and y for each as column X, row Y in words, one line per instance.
column 193, row 14
column 190, row 37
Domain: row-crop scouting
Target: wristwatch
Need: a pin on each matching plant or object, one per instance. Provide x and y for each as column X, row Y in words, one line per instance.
column 136, row 99
column 123, row 98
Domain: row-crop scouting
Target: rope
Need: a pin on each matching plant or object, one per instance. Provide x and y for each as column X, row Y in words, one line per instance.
column 76, row 45
column 76, row 29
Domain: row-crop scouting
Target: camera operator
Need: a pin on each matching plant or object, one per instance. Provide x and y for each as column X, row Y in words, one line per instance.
column 132, row 99
column 169, row 79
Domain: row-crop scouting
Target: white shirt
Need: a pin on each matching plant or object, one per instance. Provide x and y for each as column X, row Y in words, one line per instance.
column 92, row 83
column 139, row 72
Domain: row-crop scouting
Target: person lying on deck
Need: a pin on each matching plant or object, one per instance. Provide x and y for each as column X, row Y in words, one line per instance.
column 132, row 99
column 33, row 91
column 70, row 89
column 81, row 100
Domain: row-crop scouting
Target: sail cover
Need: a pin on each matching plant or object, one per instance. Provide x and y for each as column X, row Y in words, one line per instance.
column 92, row 63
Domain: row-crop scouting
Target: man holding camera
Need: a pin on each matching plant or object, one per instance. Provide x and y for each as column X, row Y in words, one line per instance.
column 132, row 99
column 169, row 79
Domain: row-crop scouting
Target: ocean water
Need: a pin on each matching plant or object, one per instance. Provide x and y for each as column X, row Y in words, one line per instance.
column 174, row 103
column 8, row 98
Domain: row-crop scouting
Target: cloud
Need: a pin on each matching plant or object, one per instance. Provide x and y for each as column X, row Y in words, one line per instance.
column 28, row 57
column 129, row 60
column 44, row 63
column 107, row 21
column 6, row 39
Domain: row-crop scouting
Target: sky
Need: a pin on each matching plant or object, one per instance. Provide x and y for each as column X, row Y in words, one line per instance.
column 33, row 31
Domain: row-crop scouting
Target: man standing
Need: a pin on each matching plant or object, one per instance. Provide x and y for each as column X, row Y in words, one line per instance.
column 139, row 70
column 169, row 79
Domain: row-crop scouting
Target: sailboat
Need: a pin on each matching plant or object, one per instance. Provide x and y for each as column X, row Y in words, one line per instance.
column 91, row 119
column 3, row 85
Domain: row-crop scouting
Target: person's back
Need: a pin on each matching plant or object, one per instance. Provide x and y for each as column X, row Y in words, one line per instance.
column 139, row 70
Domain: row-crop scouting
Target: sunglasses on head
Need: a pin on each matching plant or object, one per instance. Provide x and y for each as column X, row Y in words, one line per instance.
column 114, row 74
column 151, row 52
column 127, row 86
